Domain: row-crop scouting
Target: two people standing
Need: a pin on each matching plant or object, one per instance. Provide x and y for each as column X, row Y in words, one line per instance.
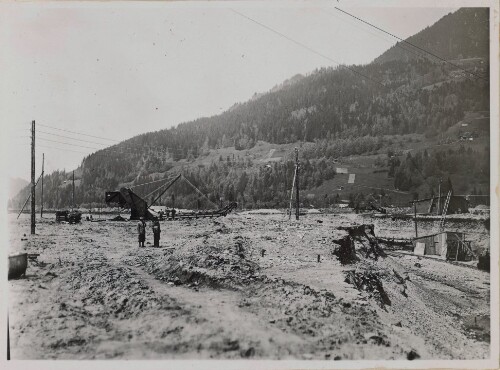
column 141, row 230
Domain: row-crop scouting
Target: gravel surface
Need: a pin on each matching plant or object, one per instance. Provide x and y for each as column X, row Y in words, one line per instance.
column 244, row 286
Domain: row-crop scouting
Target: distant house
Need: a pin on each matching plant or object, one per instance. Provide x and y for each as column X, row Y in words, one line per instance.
column 448, row 245
column 469, row 136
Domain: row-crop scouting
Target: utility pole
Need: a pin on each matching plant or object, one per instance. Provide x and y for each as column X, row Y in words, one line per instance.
column 415, row 217
column 291, row 194
column 33, row 177
column 73, row 190
column 8, row 337
column 43, row 163
column 439, row 197
column 297, row 199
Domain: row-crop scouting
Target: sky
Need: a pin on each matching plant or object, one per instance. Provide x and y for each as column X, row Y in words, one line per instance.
column 115, row 70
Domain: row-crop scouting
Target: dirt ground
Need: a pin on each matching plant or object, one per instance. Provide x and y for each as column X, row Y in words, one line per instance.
column 210, row 291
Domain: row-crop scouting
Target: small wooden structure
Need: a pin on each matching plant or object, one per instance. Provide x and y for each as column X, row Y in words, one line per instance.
column 449, row 245
column 18, row 265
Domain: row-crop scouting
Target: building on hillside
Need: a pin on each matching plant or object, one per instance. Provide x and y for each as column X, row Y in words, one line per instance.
column 448, row 245
column 435, row 205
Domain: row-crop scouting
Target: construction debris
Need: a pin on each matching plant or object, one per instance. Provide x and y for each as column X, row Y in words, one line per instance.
column 221, row 296
column 359, row 243
column 369, row 282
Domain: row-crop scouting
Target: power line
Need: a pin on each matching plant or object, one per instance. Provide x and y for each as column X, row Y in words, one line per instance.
column 52, row 147
column 415, row 46
column 69, row 137
column 307, row 47
column 78, row 133
column 87, row 153
column 414, row 52
column 105, row 150
column 72, row 144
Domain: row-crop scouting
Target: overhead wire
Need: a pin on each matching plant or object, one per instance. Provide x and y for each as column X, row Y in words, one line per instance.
column 379, row 35
column 118, row 150
column 69, row 137
column 64, row 143
column 308, row 48
column 52, row 147
column 122, row 149
column 413, row 45
column 78, row 133
column 98, row 151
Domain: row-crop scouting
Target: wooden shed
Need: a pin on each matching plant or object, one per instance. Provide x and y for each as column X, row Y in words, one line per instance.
column 449, row 245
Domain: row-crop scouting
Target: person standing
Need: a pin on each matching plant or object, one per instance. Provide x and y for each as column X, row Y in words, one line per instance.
column 156, row 233
column 141, row 230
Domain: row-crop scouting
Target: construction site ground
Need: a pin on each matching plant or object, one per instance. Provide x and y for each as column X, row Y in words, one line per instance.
column 243, row 286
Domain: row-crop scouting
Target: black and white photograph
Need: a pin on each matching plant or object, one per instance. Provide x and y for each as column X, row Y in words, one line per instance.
column 249, row 184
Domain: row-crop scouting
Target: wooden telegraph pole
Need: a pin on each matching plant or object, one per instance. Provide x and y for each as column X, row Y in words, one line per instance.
column 33, row 177
column 439, row 197
column 297, row 199
column 415, row 217
column 291, row 194
column 73, row 190
column 41, row 196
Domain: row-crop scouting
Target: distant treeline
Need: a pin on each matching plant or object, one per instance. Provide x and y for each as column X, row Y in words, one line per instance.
column 337, row 112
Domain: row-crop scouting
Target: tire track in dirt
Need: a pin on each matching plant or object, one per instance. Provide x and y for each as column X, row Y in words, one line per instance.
column 223, row 329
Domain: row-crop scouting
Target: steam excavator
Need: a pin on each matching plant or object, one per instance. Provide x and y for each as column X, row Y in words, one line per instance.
column 127, row 198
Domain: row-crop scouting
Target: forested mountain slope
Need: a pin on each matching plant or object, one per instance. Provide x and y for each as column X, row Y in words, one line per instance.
column 461, row 35
column 332, row 113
